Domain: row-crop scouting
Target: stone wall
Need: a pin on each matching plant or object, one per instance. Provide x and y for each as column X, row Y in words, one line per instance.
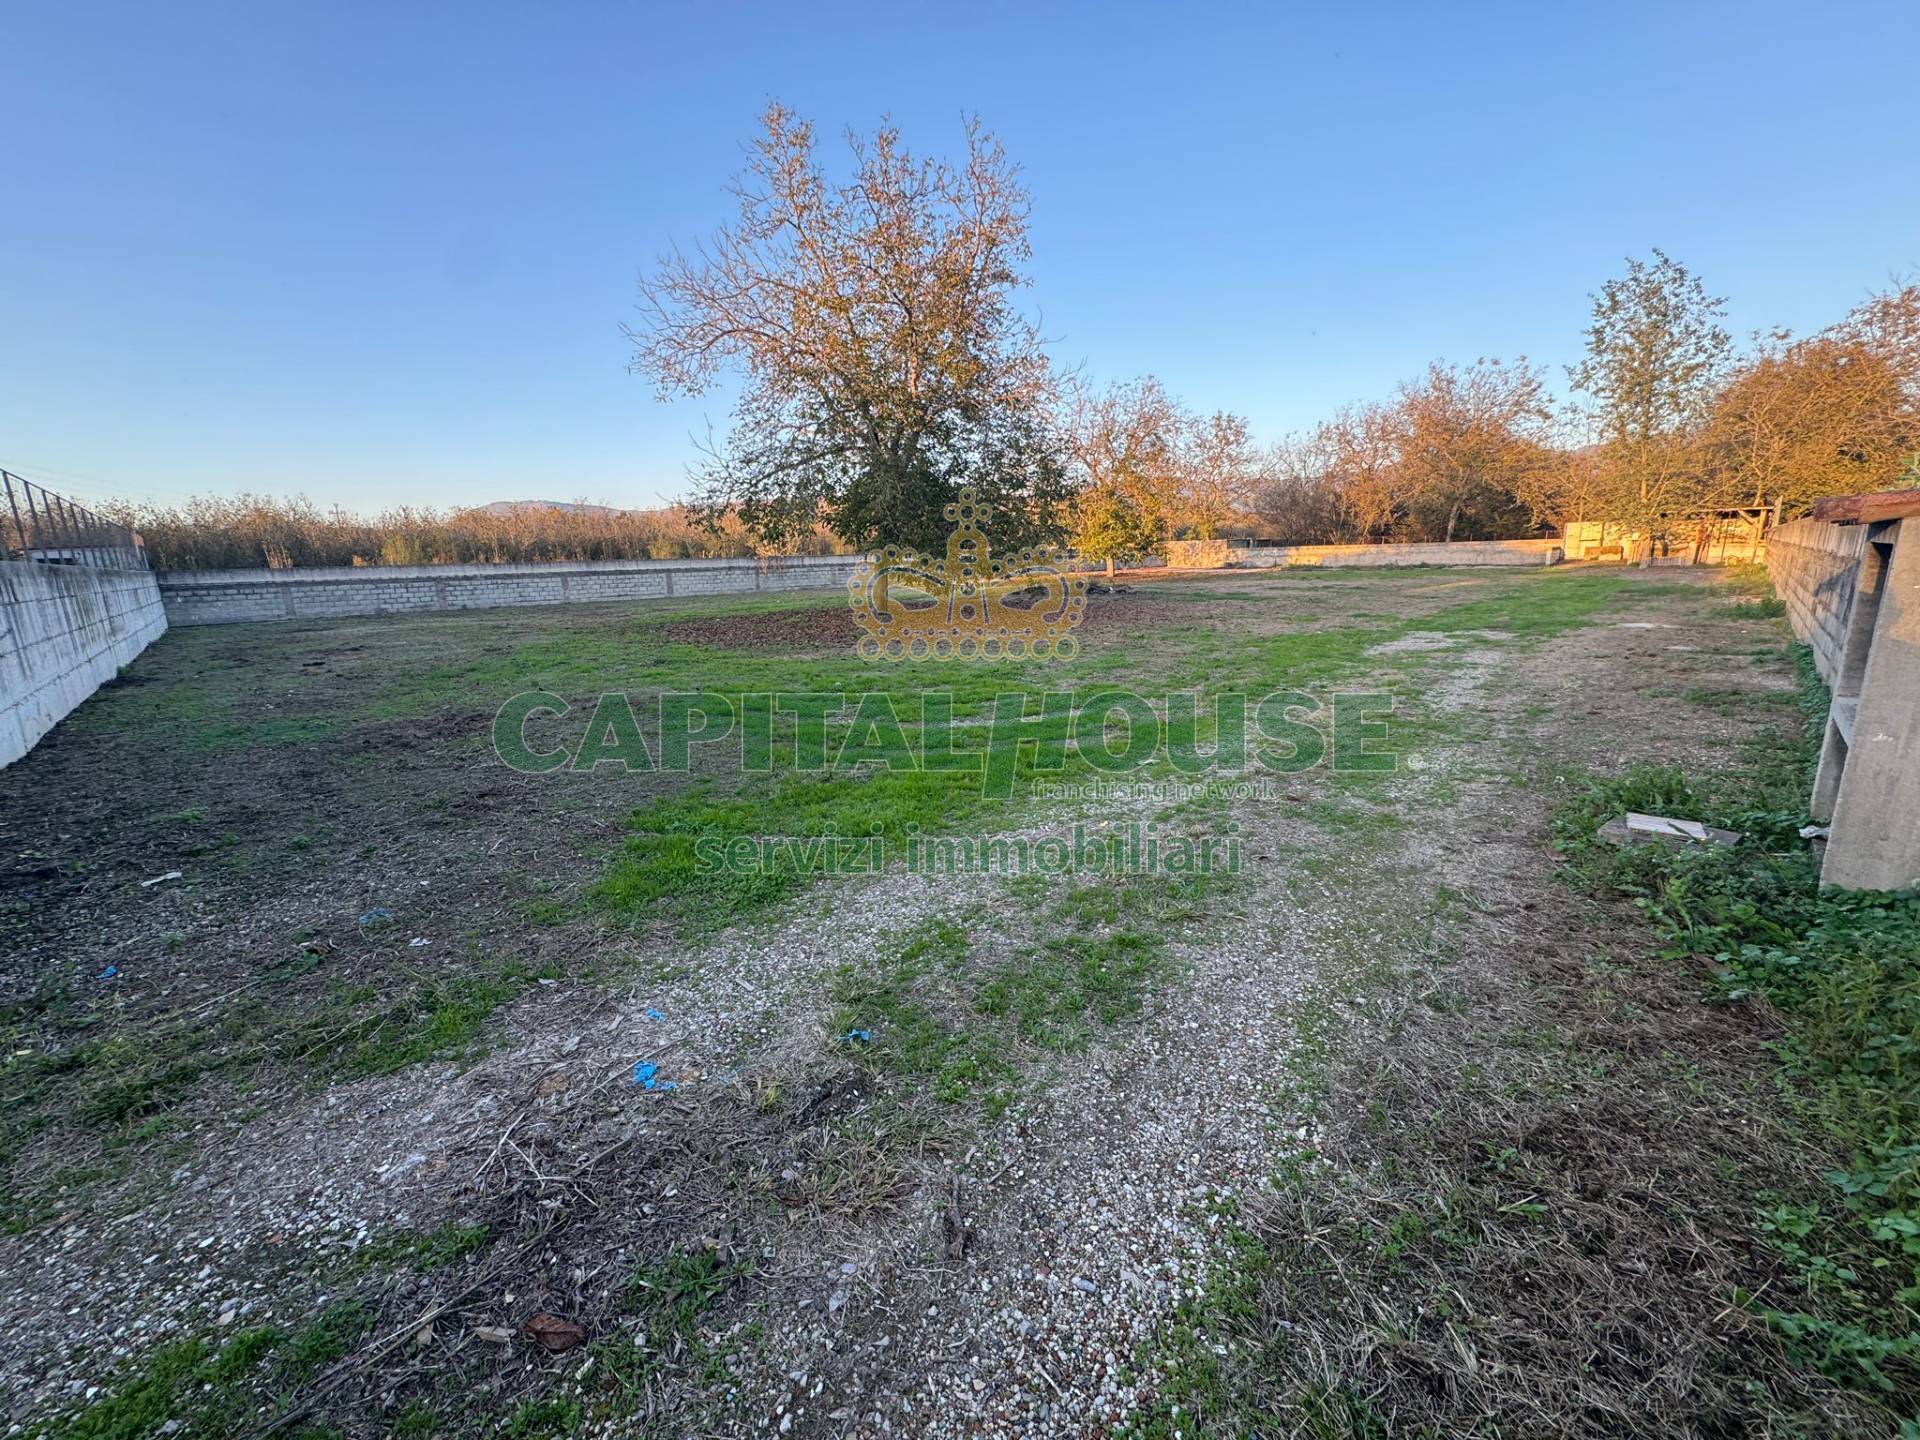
column 1214, row 554
column 64, row 631
column 1815, row 565
column 219, row 597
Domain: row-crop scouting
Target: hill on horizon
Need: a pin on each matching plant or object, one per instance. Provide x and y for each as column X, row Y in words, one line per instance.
column 515, row 507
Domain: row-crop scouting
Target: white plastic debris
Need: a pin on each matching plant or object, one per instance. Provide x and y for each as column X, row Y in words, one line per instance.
column 1634, row 828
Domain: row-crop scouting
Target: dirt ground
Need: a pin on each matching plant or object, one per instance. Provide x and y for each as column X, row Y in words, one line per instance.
column 319, row 1035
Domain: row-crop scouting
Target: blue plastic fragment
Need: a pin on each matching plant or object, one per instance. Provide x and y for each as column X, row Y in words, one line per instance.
column 653, row 1014
column 645, row 1075
column 109, row 972
column 376, row 915
column 865, row 1037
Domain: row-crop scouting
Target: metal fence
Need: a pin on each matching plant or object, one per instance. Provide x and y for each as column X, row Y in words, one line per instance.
column 36, row 524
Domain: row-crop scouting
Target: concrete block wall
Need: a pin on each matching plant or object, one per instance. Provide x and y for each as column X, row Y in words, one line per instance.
column 1815, row 566
column 220, row 597
column 65, row 630
column 1213, row 554
column 1731, row 541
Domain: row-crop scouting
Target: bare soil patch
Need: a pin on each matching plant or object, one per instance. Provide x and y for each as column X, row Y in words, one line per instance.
column 831, row 628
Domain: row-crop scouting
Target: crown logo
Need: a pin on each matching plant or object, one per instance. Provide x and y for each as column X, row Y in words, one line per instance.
column 959, row 605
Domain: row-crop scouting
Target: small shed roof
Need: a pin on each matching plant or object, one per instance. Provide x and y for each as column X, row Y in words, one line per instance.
column 1857, row 509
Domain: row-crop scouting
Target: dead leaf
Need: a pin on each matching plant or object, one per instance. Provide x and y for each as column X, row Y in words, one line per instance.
column 552, row 1332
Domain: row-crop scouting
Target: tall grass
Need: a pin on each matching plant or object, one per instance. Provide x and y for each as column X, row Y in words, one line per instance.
column 249, row 531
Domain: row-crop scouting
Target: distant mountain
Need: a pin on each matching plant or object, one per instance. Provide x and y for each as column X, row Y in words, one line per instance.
column 516, row 507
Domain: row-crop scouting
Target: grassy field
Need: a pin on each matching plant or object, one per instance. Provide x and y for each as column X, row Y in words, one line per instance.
column 1434, row 1118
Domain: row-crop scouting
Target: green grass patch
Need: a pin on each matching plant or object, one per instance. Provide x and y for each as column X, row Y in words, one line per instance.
column 660, row 867
column 212, row 704
column 1741, row 702
column 930, row 1014
column 665, row 1303
column 1752, row 590
column 216, row 1390
column 371, row 1029
column 424, row 1251
column 906, row 1015
column 1056, row 994
column 542, row 1419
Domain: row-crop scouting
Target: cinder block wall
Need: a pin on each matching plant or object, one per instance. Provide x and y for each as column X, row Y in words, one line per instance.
column 64, row 631
column 1814, row 565
column 1213, row 554
column 220, row 597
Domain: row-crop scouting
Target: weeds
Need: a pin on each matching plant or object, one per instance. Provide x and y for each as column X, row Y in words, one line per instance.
column 122, row 1086
column 666, row 1301
column 212, row 1390
column 364, row 1032
column 1844, row 970
column 431, row 1250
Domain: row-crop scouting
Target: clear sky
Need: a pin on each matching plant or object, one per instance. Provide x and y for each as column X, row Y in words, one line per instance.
column 381, row 253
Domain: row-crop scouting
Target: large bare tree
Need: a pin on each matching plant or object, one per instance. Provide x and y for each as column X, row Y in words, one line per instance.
column 1297, row 500
column 874, row 323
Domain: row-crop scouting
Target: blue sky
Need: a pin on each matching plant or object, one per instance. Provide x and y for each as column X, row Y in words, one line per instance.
column 381, row 253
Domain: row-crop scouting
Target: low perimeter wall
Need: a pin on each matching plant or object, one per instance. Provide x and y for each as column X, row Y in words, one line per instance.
column 1214, row 554
column 1814, row 565
column 220, row 597
column 64, row 631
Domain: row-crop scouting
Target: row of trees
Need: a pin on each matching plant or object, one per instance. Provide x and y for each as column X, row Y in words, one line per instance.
column 1667, row 421
column 886, row 363
column 1676, row 420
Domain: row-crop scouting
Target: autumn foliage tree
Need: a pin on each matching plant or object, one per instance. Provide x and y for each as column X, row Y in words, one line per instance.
column 1146, row 469
column 1833, row 413
column 1448, row 458
column 874, row 324
column 1216, row 470
column 1469, row 440
column 1121, row 442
